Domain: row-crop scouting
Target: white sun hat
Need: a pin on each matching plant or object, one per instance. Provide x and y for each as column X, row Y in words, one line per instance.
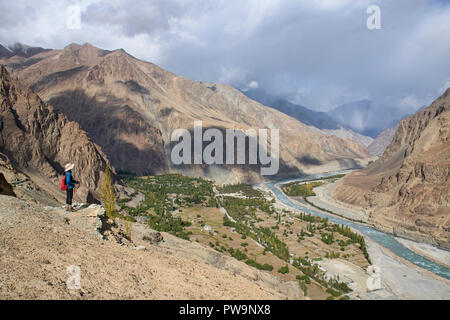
column 68, row 167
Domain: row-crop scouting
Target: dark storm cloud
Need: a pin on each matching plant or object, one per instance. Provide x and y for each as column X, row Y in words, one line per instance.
column 316, row 53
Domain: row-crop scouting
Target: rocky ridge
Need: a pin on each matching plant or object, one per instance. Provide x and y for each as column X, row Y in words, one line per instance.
column 406, row 191
column 38, row 142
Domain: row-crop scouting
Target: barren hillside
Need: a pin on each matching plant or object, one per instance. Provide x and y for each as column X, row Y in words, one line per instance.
column 39, row 244
column 407, row 190
column 130, row 108
column 39, row 142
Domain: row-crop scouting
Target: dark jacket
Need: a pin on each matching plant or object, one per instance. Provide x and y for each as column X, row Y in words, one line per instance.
column 70, row 181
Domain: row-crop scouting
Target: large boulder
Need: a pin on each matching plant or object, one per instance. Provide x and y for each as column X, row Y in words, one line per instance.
column 5, row 188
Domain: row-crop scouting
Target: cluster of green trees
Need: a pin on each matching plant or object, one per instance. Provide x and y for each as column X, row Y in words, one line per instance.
column 244, row 189
column 300, row 189
column 304, row 278
column 327, row 238
column 170, row 224
column 164, row 194
column 332, row 255
column 264, row 236
column 341, row 287
column 354, row 237
column 265, row 266
column 243, row 212
column 312, row 271
column 227, row 222
column 237, row 254
column 312, row 218
column 303, row 281
column 269, row 240
column 241, row 256
column 241, row 209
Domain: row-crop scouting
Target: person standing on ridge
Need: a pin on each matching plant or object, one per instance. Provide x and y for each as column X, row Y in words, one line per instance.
column 70, row 182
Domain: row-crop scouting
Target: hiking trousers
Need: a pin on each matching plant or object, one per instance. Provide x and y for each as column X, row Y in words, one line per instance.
column 69, row 196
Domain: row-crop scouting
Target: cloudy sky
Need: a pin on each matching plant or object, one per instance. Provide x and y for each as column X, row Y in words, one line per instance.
column 318, row 53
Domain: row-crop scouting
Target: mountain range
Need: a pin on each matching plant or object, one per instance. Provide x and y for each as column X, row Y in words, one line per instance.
column 130, row 107
column 338, row 122
column 359, row 117
column 100, row 108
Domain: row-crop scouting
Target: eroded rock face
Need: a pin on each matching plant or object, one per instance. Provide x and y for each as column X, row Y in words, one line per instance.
column 378, row 145
column 39, row 142
column 407, row 190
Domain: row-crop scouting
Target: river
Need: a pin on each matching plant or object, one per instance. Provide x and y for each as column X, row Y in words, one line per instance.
column 386, row 240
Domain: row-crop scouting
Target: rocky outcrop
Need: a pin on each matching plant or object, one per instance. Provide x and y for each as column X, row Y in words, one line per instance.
column 377, row 147
column 39, row 142
column 407, row 190
column 5, row 188
column 130, row 108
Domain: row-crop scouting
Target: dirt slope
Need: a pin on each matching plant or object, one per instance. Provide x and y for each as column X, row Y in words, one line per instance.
column 38, row 244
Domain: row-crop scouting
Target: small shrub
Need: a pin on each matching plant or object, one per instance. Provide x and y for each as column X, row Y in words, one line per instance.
column 284, row 270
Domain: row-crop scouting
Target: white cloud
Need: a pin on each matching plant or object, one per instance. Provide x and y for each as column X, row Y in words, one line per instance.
column 316, row 53
column 253, row 84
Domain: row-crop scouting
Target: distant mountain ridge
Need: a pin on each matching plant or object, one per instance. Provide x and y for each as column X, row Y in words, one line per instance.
column 317, row 119
column 320, row 120
column 21, row 50
column 361, row 117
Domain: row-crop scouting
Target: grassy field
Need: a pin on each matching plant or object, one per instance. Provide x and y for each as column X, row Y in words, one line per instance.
column 240, row 221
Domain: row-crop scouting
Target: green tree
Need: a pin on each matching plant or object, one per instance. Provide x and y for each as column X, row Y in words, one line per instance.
column 108, row 196
column 128, row 228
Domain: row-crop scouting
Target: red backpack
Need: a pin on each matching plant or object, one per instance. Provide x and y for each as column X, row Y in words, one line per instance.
column 63, row 183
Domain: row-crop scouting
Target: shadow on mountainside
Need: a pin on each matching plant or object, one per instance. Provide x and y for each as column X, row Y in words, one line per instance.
column 131, row 144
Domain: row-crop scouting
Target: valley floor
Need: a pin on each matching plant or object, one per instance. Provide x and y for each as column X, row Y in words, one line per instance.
column 405, row 280
column 428, row 251
column 400, row 278
column 324, row 199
